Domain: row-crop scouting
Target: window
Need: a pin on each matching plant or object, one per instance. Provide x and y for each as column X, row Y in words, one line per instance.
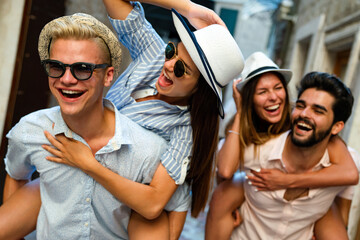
column 229, row 16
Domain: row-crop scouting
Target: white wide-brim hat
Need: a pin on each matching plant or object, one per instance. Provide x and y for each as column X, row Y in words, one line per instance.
column 258, row 63
column 101, row 30
column 214, row 52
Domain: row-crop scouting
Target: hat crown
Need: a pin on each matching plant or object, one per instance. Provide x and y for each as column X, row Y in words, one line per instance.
column 222, row 53
column 256, row 62
column 214, row 52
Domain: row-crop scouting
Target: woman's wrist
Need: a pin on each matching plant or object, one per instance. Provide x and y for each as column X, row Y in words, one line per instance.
column 292, row 180
column 234, row 132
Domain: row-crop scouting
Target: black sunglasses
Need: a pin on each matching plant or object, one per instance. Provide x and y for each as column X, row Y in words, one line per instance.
column 171, row 52
column 80, row 70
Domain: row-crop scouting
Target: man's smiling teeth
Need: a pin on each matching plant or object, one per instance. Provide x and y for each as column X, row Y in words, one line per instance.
column 304, row 126
column 274, row 107
column 71, row 93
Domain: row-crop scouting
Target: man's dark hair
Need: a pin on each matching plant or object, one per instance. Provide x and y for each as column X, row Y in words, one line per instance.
column 331, row 84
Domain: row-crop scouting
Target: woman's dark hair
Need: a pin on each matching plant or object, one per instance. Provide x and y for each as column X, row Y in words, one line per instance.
column 331, row 84
column 205, row 125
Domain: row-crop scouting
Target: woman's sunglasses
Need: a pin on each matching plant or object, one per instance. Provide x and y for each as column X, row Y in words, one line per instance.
column 179, row 66
column 80, row 70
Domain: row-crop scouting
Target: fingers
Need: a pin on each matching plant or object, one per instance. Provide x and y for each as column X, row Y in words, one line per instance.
column 258, row 175
column 237, row 218
column 53, row 140
column 52, row 150
column 259, row 186
column 54, row 159
column 257, row 180
column 60, row 160
column 236, row 81
column 61, row 138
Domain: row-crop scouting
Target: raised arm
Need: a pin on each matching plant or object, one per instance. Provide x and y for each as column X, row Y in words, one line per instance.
column 199, row 16
column 229, row 155
column 147, row 200
column 118, row 9
column 343, row 171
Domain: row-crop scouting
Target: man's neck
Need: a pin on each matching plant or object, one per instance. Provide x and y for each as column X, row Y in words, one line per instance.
column 96, row 127
column 302, row 159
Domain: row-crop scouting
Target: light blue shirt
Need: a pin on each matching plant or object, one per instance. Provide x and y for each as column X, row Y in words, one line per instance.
column 169, row 121
column 74, row 205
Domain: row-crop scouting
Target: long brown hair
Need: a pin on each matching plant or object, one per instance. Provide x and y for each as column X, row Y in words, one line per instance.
column 252, row 128
column 205, row 126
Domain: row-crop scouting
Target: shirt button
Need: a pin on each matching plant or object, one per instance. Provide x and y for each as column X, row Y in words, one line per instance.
column 88, row 199
column 86, row 224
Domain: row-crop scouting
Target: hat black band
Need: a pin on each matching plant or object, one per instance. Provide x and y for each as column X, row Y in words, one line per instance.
column 260, row 70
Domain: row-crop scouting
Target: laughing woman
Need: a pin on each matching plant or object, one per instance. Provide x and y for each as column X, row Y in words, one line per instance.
column 178, row 96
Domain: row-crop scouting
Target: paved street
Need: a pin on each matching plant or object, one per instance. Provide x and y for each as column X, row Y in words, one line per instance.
column 194, row 228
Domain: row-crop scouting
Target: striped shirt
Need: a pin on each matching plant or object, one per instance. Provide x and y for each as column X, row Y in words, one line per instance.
column 169, row 121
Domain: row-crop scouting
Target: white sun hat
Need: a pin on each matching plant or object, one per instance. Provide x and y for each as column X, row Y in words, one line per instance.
column 214, row 52
column 258, row 63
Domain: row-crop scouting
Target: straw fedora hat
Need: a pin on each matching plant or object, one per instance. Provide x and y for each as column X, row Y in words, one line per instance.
column 89, row 21
column 258, row 63
column 214, row 52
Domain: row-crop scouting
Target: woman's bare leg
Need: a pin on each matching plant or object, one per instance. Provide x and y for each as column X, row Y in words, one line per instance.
column 141, row 228
column 331, row 226
column 18, row 215
column 176, row 223
column 227, row 197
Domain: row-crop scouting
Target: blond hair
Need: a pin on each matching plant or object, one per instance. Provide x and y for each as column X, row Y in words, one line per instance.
column 69, row 28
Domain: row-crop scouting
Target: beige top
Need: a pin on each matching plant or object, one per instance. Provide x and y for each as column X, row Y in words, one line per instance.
column 267, row 215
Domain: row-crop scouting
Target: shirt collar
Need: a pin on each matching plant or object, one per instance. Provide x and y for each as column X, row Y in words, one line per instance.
column 59, row 126
column 122, row 134
column 276, row 153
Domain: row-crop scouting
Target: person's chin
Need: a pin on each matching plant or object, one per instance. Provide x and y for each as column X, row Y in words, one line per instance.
column 163, row 90
column 272, row 118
